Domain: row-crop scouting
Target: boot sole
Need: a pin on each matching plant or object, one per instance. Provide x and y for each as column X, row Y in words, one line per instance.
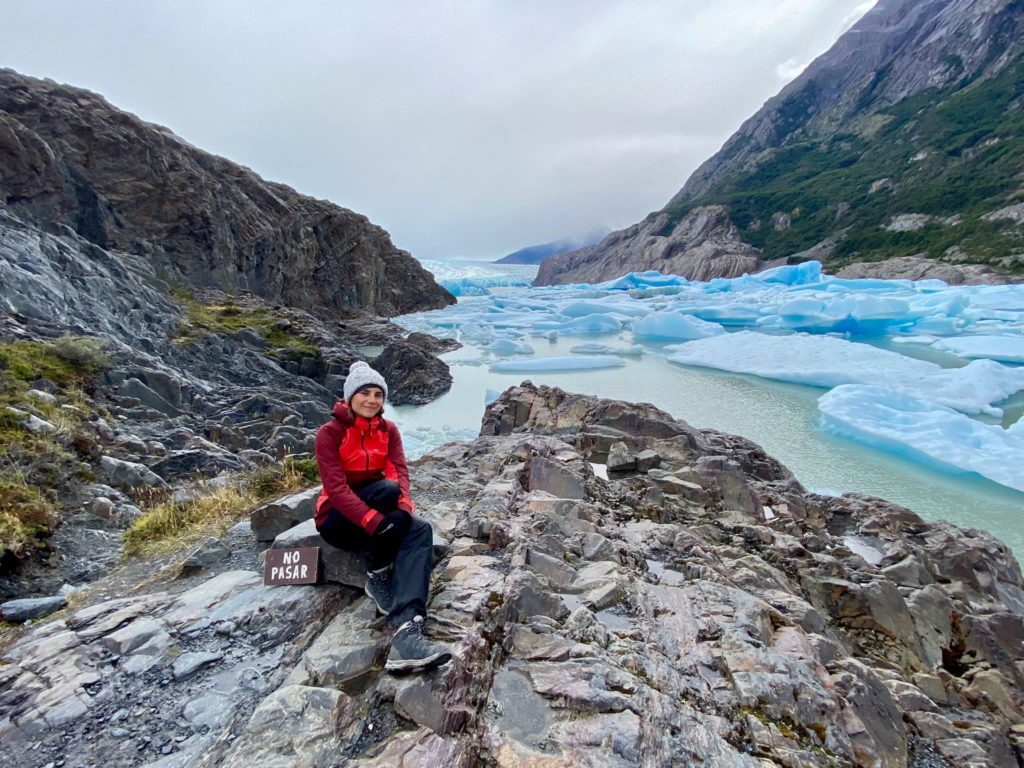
column 378, row 606
column 418, row 665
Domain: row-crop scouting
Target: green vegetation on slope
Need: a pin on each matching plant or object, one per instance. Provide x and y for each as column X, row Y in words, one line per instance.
column 229, row 318
column 955, row 152
column 35, row 465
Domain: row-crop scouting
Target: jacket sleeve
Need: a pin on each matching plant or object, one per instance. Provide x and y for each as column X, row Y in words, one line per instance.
column 339, row 495
column 396, row 459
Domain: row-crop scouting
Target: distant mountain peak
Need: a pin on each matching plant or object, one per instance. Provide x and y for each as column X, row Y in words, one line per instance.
column 535, row 254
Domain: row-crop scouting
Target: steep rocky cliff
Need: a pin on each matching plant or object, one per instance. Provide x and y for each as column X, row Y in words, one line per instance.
column 904, row 139
column 70, row 159
column 694, row 607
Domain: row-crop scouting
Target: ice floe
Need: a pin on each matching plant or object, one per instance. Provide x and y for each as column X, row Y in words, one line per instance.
column 564, row 363
column 827, row 361
column 922, row 430
column 1008, row 349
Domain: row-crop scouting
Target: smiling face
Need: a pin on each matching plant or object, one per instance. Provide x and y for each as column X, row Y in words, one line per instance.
column 367, row 402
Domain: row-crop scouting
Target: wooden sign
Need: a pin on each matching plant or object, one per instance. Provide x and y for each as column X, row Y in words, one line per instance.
column 292, row 566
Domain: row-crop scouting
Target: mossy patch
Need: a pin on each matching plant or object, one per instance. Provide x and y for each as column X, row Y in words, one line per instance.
column 230, row 319
column 34, row 466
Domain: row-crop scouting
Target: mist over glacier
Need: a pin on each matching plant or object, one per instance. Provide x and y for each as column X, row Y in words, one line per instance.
column 922, row 381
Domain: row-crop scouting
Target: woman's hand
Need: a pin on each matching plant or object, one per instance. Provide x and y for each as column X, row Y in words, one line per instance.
column 388, row 535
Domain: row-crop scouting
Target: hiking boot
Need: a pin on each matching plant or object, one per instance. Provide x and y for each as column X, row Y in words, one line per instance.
column 380, row 587
column 412, row 652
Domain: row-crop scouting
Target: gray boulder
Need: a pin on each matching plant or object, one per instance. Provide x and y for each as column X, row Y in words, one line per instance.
column 129, row 475
column 278, row 516
column 30, row 608
column 337, row 565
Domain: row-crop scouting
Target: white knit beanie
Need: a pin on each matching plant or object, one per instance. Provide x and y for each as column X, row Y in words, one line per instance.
column 360, row 376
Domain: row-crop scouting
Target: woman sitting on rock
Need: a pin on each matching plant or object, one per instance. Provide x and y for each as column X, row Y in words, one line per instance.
column 365, row 507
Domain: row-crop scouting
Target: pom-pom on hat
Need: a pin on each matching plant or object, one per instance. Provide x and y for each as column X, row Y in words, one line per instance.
column 360, row 376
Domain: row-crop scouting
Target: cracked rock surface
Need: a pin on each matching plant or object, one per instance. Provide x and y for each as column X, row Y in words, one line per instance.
column 707, row 611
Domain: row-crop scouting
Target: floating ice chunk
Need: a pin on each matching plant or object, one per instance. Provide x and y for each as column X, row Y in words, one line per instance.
column 924, row 431
column 728, row 314
column 945, row 326
column 861, row 315
column 588, row 324
column 490, row 396
column 1008, row 349
column 826, row 361
column 650, row 279
column 675, row 326
column 583, row 308
column 623, row 307
column 792, row 274
column 1004, row 297
column 596, row 348
column 508, row 347
column 874, row 315
column 416, row 441
column 566, row 363
column 808, row 314
column 922, row 339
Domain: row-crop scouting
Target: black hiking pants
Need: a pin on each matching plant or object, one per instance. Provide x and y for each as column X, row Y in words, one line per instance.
column 412, row 562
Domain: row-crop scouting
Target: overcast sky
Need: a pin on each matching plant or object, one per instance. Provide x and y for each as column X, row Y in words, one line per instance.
column 466, row 128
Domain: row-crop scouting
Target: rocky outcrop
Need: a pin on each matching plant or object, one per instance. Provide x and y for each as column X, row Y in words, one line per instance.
column 227, row 311
column 699, row 608
column 414, row 376
column 703, row 245
column 71, row 161
column 175, row 402
column 920, row 268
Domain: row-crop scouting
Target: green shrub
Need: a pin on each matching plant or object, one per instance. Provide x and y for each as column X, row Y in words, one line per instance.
column 25, row 515
column 84, row 353
column 66, row 361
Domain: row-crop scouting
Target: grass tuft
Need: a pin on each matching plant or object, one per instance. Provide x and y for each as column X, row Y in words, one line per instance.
column 172, row 524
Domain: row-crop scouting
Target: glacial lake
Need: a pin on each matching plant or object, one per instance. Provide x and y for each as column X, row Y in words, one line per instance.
column 780, row 417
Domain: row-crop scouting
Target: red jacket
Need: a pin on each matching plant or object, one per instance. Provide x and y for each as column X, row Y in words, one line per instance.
column 353, row 451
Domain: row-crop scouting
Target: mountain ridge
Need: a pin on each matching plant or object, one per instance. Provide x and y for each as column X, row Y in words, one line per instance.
column 535, row 254
column 864, row 135
column 70, row 158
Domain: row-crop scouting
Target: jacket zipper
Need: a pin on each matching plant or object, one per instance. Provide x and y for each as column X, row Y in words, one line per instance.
column 362, row 444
